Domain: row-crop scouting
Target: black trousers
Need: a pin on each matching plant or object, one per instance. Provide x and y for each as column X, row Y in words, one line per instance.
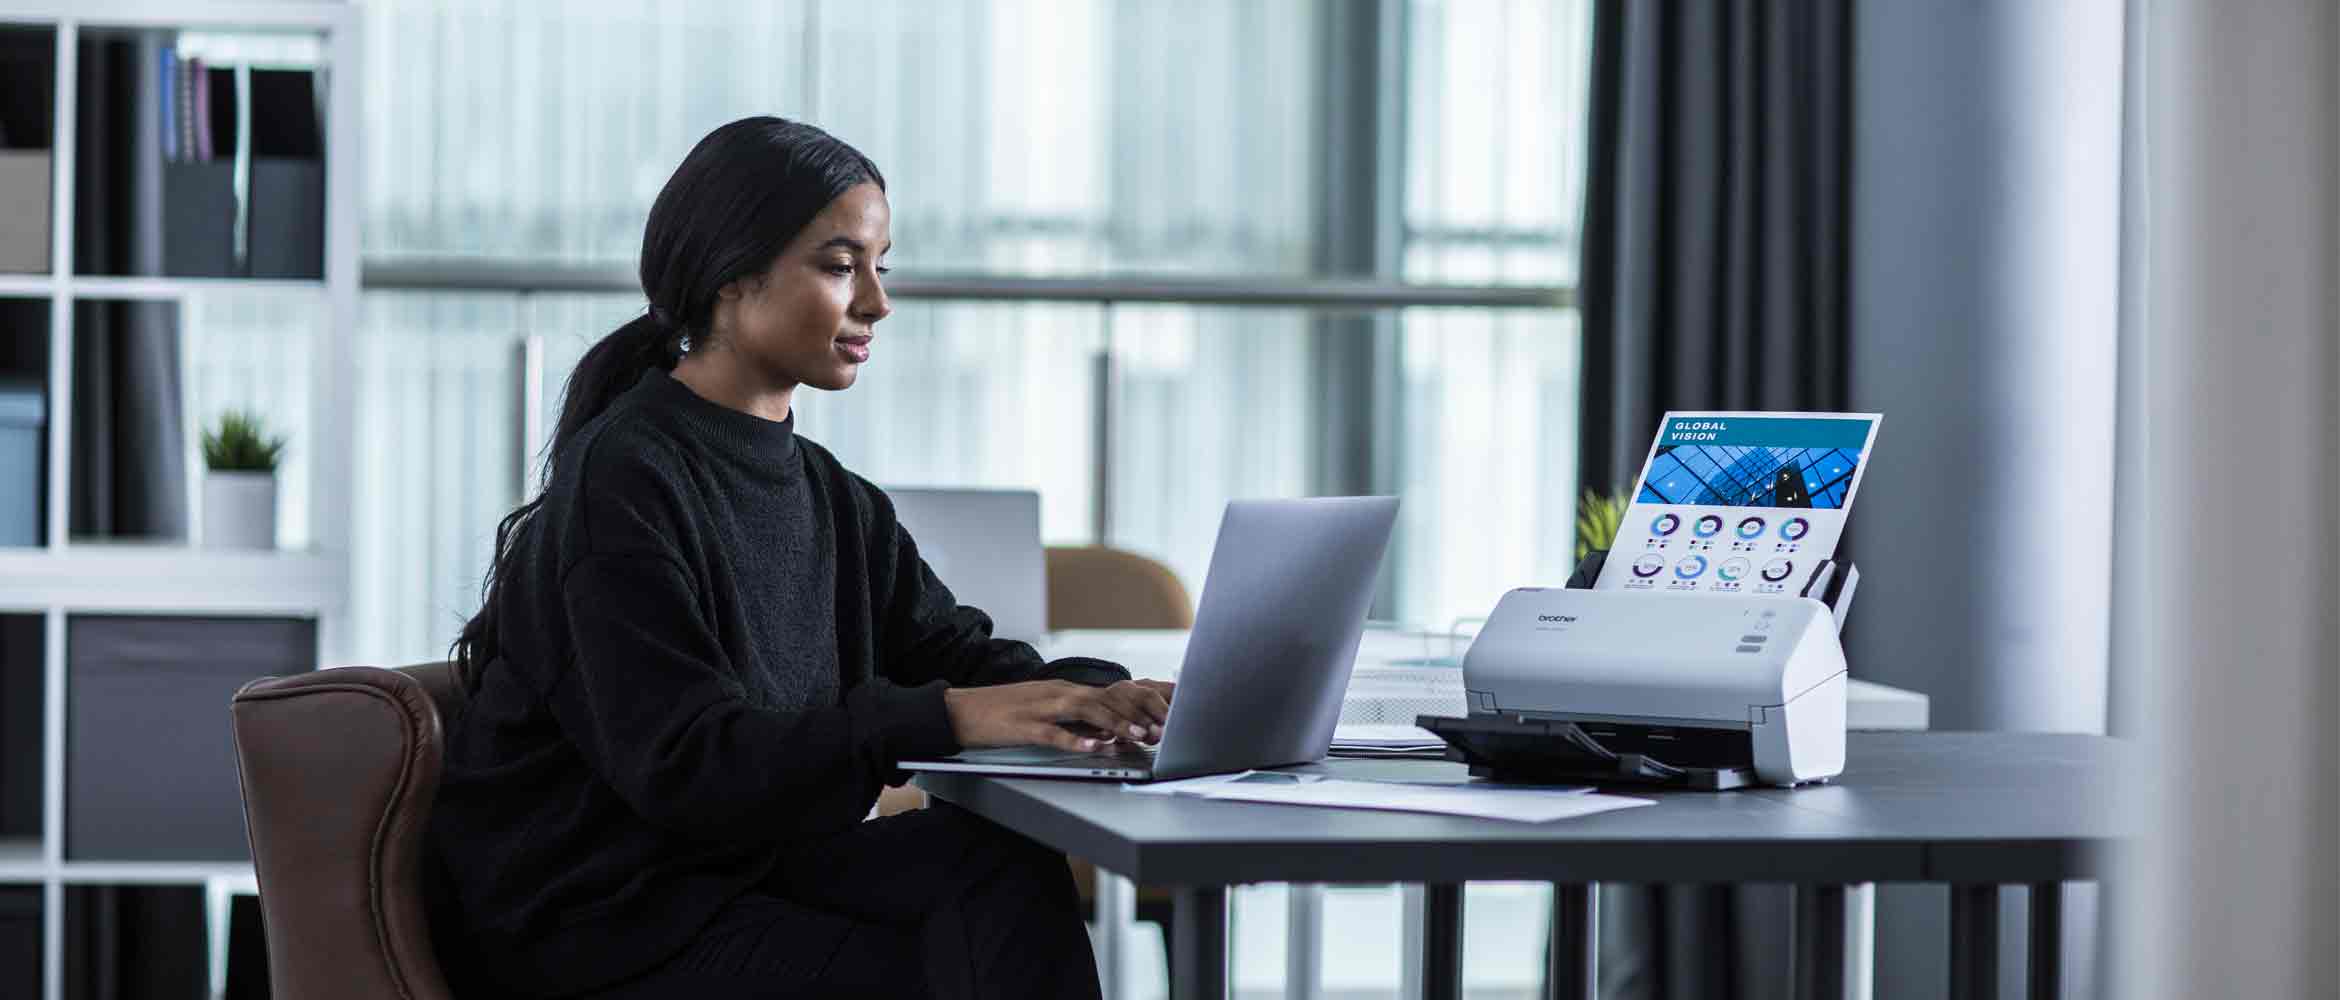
column 935, row 902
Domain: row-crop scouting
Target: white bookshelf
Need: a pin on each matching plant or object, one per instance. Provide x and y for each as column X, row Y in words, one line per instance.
column 65, row 578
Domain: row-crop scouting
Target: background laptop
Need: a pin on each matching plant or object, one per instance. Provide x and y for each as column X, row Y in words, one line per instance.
column 985, row 546
column 1274, row 639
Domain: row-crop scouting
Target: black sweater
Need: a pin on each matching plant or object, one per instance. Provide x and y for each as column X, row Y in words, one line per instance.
column 717, row 639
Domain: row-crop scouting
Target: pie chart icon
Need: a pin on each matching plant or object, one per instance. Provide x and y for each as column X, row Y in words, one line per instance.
column 1732, row 569
column 1690, row 567
column 1708, row 526
column 1778, row 569
column 1664, row 525
column 1795, row 528
column 1648, row 566
column 1751, row 527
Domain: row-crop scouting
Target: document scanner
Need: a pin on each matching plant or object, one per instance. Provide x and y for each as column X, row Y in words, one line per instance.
column 1709, row 691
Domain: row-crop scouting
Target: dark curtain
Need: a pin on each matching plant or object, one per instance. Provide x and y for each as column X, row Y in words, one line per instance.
column 1714, row 278
column 129, row 455
column 1715, row 224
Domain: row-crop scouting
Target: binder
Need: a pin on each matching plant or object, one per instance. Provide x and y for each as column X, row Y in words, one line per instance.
column 286, row 221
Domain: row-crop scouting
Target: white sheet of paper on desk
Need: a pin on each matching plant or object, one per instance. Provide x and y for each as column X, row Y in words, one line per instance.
column 1515, row 804
column 1739, row 502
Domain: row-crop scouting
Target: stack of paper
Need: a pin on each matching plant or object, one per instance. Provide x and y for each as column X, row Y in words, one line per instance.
column 1386, row 740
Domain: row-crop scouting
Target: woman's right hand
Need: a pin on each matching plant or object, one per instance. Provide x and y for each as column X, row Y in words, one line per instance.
column 1037, row 712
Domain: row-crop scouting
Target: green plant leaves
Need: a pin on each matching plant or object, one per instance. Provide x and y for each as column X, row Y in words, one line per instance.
column 1597, row 518
column 240, row 443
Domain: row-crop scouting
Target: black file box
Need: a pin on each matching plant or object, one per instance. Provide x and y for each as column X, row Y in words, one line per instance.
column 287, row 230
column 21, row 698
column 150, row 763
column 136, row 942
column 199, row 220
column 20, row 941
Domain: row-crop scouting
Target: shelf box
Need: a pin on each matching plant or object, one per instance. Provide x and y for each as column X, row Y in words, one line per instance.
column 147, row 743
column 20, row 941
column 199, row 220
column 22, row 691
column 136, row 941
column 24, row 211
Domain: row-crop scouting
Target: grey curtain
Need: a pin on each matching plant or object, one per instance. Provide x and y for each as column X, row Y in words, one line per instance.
column 129, row 453
column 1714, row 277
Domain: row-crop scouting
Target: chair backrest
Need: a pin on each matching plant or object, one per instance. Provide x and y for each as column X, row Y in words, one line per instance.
column 339, row 768
column 1099, row 587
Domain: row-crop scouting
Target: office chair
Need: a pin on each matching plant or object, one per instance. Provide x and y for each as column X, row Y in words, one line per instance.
column 339, row 768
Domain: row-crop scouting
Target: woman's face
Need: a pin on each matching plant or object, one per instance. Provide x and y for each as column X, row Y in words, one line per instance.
column 808, row 319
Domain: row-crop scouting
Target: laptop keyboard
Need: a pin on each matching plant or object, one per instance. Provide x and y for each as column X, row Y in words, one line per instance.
column 1121, row 753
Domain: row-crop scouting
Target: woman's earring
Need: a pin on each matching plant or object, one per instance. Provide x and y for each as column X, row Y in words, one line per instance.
column 683, row 346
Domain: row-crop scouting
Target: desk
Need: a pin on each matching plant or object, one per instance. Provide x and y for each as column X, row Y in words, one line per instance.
column 1976, row 810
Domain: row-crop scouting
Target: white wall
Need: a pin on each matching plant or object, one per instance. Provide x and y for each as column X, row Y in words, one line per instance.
column 1985, row 305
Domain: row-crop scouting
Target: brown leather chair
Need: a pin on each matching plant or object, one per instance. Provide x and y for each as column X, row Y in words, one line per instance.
column 339, row 769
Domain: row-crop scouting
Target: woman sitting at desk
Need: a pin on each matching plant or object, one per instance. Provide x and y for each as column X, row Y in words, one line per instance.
column 705, row 646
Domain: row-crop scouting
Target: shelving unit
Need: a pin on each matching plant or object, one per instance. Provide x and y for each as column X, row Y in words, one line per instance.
column 66, row 580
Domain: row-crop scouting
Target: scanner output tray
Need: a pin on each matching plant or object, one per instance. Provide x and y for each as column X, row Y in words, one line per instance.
column 1550, row 751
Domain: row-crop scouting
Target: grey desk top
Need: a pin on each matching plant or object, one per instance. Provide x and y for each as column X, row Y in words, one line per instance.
column 1934, row 807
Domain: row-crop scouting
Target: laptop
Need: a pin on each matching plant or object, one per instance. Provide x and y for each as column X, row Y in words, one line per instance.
column 1274, row 639
column 985, row 546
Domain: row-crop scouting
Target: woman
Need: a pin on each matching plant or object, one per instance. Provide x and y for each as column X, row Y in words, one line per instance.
column 704, row 648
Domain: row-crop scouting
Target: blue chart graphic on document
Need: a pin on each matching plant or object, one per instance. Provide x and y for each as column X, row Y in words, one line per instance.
column 1763, row 496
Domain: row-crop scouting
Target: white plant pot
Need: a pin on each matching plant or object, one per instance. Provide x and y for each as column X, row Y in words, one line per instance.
column 239, row 510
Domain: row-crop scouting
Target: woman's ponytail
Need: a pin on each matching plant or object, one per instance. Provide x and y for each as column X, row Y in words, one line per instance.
column 611, row 367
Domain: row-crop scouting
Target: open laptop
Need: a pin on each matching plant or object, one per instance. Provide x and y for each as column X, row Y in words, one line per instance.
column 1274, row 639
column 985, row 546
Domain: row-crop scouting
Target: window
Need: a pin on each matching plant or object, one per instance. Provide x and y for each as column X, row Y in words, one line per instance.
column 1081, row 139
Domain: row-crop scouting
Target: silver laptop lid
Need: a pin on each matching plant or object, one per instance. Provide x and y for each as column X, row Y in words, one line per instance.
column 1276, row 633
column 985, row 546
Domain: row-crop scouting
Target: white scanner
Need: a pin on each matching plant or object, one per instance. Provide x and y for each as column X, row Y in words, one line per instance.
column 1700, row 690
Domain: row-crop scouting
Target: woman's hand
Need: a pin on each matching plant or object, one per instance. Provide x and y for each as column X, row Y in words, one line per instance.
column 1040, row 712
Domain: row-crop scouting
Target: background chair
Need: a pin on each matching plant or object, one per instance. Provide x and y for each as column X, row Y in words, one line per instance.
column 1094, row 586
column 339, row 768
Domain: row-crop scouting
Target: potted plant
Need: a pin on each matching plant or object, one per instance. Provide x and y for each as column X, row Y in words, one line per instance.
column 239, row 491
column 1597, row 518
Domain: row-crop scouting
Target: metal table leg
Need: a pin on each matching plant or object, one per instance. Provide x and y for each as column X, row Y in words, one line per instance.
column 2047, row 941
column 1116, row 912
column 1576, row 942
column 1303, row 942
column 1199, row 960
column 1974, row 941
column 1442, row 941
column 1860, row 904
column 1826, row 944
